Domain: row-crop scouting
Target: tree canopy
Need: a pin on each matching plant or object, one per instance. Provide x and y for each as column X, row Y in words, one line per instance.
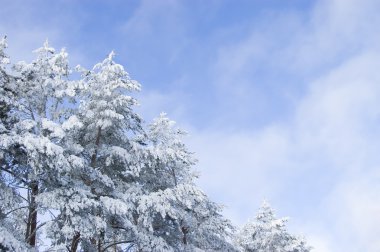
column 266, row 233
column 81, row 170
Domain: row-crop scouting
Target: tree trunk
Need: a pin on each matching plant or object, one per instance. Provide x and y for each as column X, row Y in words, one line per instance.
column 114, row 241
column 97, row 144
column 33, row 214
column 100, row 241
column 99, row 245
column 184, row 230
column 75, row 242
column 76, row 238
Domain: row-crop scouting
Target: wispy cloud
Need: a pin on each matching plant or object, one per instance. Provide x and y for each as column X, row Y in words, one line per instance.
column 315, row 167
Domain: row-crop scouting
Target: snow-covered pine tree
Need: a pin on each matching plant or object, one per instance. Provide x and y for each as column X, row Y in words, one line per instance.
column 173, row 207
column 12, row 210
column 96, row 212
column 266, row 233
column 34, row 143
column 6, row 89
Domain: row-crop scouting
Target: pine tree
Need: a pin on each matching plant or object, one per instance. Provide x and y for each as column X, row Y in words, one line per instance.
column 12, row 209
column 98, row 211
column 37, row 160
column 173, row 207
column 266, row 233
column 6, row 90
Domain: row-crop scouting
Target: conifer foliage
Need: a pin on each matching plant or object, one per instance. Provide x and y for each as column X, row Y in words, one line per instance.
column 81, row 171
column 266, row 233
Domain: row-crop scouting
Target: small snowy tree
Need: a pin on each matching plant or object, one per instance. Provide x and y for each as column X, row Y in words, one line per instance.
column 266, row 233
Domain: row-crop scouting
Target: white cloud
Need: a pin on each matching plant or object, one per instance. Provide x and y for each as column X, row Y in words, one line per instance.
column 355, row 205
column 27, row 26
column 321, row 243
column 333, row 133
column 144, row 17
column 153, row 103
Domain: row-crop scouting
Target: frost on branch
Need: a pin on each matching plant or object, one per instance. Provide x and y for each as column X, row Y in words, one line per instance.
column 3, row 57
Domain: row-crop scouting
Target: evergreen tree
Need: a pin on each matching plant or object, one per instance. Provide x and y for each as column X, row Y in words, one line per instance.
column 266, row 233
column 173, row 207
column 95, row 208
column 6, row 90
column 32, row 147
column 12, row 209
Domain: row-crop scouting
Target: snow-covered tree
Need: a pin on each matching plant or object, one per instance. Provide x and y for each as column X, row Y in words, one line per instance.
column 266, row 233
column 95, row 207
column 6, row 90
column 11, row 208
column 173, row 207
column 74, row 151
column 32, row 147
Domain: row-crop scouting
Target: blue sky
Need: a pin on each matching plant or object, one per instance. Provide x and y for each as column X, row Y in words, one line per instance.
column 280, row 97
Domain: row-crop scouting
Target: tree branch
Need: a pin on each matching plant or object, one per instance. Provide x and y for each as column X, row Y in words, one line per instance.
column 16, row 209
column 14, row 175
column 116, row 243
column 34, row 231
